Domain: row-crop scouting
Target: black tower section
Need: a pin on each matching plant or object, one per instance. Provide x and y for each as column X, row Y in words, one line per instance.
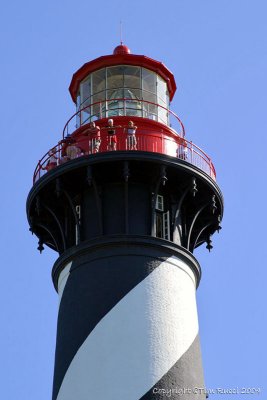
column 115, row 194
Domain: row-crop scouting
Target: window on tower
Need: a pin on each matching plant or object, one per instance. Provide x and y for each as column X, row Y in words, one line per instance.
column 162, row 219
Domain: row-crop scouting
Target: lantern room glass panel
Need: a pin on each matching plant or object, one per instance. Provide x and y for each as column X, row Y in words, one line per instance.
column 115, row 102
column 85, row 90
column 149, row 81
column 99, row 83
column 161, row 91
column 162, row 100
column 132, row 77
column 133, row 105
column 85, row 101
column 115, row 77
column 149, row 94
column 78, row 115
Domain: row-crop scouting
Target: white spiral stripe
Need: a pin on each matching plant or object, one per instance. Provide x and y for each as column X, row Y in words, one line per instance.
column 139, row 340
column 62, row 280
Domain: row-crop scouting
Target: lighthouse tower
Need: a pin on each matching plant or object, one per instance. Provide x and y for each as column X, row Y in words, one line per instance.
column 125, row 198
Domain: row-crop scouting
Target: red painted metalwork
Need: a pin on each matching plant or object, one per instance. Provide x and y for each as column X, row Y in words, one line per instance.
column 122, row 59
column 151, row 136
column 122, row 49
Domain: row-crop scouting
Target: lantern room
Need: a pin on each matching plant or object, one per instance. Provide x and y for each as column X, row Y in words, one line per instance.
column 123, row 90
column 122, row 84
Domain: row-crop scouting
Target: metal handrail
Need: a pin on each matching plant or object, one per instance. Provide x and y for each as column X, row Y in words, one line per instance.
column 173, row 146
column 103, row 102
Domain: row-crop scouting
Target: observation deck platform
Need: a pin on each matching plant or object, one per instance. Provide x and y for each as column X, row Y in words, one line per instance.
column 151, row 136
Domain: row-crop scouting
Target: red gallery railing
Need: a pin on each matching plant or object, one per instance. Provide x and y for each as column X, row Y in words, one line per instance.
column 149, row 138
column 176, row 147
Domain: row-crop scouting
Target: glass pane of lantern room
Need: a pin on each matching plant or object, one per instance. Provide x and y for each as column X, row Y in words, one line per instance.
column 115, row 94
column 132, row 85
column 115, row 77
column 149, row 81
column 115, row 103
column 132, row 104
column 85, row 90
column 99, row 83
column 78, row 101
column 162, row 96
column 85, row 101
column 78, row 106
column 149, row 105
column 162, row 115
column 162, row 92
column 99, row 93
column 132, row 77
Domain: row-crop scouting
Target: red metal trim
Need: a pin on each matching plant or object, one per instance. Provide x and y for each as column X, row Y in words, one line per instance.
column 122, row 59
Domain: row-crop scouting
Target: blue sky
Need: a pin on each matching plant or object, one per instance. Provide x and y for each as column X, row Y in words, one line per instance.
column 217, row 51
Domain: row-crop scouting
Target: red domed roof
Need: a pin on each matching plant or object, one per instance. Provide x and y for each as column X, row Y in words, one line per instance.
column 122, row 49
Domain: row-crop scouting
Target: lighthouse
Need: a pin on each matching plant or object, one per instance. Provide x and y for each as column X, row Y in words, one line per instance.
column 124, row 198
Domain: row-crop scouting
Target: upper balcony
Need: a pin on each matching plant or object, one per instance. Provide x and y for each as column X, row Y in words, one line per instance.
column 152, row 135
